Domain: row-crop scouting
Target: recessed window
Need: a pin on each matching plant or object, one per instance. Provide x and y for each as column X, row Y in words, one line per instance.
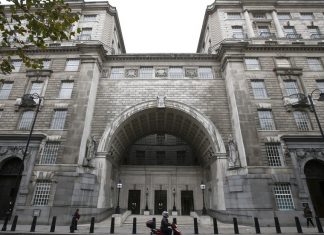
column 259, row 15
column 85, row 34
column 49, row 153
column 283, row 196
column 160, row 157
column 17, row 64
column 5, row 89
column 264, row 31
column 160, row 139
column 72, row 65
column 42, row 193
column 91, row 17
column 181, row 158
column 36, row 88
column 26, row 120
column 58, row 120
column 237, row 32
column 291, row 33
column 302, row 120
column 315, row 64
column 314, row 32
column 259, row 89
column 283, row 63
column 266, row 120
column 117, row 72
column 320, row 85
column 140, row 157
column 233, row 15
column 205, row 73
column 306, row 15
column 66, row 90
column 146, row 72
column 176, row 72
column 46, row 63
column 284, row 16
column 252, row 63
column 274, row 154
column 291, row 87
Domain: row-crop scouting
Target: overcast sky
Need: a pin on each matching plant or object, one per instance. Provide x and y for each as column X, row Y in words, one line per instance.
column 161, row 26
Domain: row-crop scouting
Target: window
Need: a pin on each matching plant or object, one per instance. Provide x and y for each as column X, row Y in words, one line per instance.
column 140, row 157
column 291, row 87
column 320, row 85
column 46, row 63
column 42, row 193
column 264, row 31
column 237, row 32
column 1, row 111
column 259, row 89
column 274, row 154
column 146, row 72
column 91, row 17
column 49, row 153
column 283, row 63
column 302, row 120
column 72, row 65
column 315, row 64
column 283, row 197
column 233, row 15
column 181, row 157
column 291, row 32
column 205, row 72
column 117, row 72
column 26, row 120
column 160, row 139
column 160, row 157
column 58, row 120
column 284, row 15
column 252, row 63
column 176, row 72
column 266, row 120
column 17, row 64
column 66, row 90
column 306, row 15
column 259, row 15
column 85, row 34
column 314, row 32
column 5, row 90
column 36, row 87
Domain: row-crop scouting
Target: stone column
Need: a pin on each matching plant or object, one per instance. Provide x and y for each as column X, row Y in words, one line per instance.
column 276, row 21
column 249, row 24
column 104, row 168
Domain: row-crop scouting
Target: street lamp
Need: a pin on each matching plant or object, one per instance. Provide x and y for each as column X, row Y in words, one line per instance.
column 27, row 101
column 203, row 187
column 146, row 194
column 321, row 98
column 174, row 194
column 119, row 186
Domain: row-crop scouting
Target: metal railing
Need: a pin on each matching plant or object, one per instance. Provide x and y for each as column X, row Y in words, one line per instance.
column 293, row 36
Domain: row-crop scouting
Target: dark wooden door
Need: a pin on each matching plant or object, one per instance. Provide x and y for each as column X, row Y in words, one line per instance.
column 134, row 200
column 186, row 202
column 160, row 201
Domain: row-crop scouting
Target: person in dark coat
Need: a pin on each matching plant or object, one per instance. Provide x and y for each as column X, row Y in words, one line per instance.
column 308, row 215
column 74, row 223
column 165, row 224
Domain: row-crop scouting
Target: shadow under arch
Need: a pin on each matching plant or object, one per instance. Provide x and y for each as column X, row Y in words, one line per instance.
column 148, row 117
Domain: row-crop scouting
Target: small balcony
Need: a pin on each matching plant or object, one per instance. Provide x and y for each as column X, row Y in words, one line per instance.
column 84, row 37
column 293, row 36
column 317, row 36
column 267, row 35
column 239, row 35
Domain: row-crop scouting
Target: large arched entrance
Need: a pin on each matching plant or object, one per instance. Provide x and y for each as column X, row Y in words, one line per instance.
column 314, row 171
column 8, row 179
column 161, row 151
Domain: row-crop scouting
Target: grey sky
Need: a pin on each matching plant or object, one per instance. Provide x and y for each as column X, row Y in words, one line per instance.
column 154, row 26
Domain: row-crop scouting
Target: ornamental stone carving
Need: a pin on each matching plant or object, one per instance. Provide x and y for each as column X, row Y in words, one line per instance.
column 233, row 154
column 131, row 73
column 191, row 73
column 161, row 72
column 90, row 152
column 161, row 101
column 11, row 151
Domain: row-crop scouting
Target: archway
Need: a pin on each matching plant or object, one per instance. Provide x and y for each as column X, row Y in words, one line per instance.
column 8, row 179
column 314, row 171
column 169, row 118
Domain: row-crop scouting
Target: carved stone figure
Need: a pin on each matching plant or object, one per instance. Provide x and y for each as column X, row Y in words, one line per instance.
column 233, row 154
column 90, row 152
column 161, row 101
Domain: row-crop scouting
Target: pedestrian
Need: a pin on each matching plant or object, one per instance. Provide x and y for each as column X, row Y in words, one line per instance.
column 74, row 223
column 165, row 224
column 308, row 215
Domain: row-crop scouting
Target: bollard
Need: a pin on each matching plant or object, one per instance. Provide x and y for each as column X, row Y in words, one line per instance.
column 215, row 226
column 154, row 223
column 112, row 226
column 196, row 226
column 278, row 230
column 33, row 225
column 236, row 229
column 134, row 225
column 298, row 226
column 175, row 220
column 52, row 230
column 319, row 225
column 4, row 227
column 257, row 225
column 14, row 223
column 92, row 225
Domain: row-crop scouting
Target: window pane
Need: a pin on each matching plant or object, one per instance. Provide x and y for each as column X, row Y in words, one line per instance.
column 315, row 64
column 266, row 120
column 89, row 17
column 234, row 15
column 176, row 72
column 306, row 15
column 274, row 154
column 259, row 90
column 252, row 64
column 26, row 120
column 66, row 90
column 283, row 63
column 42, row 193
column 17, row 65
column 5, row 90
column 146, row 72
column 259, row 15
column 283, row 197
column 49, row 153
column 58, row 119
column 237, row 32
column 205, row 72
column 117, row 72
column 302, row 120
column 283, row 16
column 291, row 87
column 320, row 85
column 72, row 65
column 37, row 88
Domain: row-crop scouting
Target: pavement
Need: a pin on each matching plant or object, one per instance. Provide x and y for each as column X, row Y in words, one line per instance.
column 185, row 225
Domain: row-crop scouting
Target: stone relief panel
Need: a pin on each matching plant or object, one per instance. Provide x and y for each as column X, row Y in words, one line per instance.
column 191, row 73
column 131, row 73
column 161, row 72
column 11, row 151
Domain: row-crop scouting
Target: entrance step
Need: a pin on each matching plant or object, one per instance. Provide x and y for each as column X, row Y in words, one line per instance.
column 141, row 219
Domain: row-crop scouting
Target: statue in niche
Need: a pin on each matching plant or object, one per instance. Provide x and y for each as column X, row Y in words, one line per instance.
column 160, row 101
column 233, row 157
column 90, row 152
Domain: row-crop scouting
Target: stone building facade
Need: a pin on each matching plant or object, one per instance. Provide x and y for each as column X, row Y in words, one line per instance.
column 235, row 115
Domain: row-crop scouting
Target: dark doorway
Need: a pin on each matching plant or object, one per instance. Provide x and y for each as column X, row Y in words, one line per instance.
column 314, row 171
column 8, row 176
column 160, row 201
column 186, row 202
column 134, row 199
